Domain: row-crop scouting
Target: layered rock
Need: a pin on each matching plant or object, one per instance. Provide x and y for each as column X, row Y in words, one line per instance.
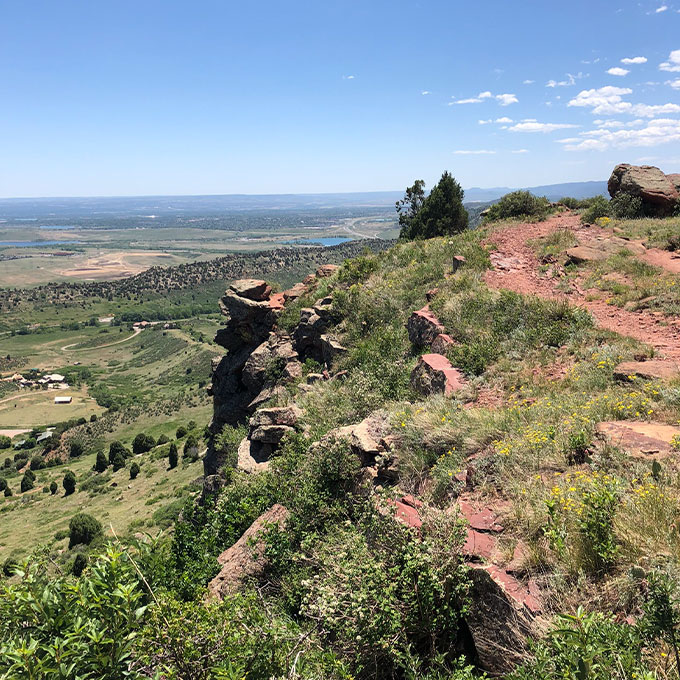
column 423, row 327
column 246, row 558
column 659, row 192
column 434, row 374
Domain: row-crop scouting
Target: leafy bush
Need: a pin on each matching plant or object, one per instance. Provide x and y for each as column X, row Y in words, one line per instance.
column 53, row 487
column 587, row 646
column 116, row 447
column 5, row 442
column 143, row 443
column 83, row 528
column 599, row 207
column 3, row 483
column 79, row 564
column 181, row 432
column 27, row 482
column 90, row 621
column 163, row 439
column 191, row 447
column 226, row 447
column 519, row 204
column 134, row 470
column 626, row 206
column 69, row 483
column 76, row 449
column 118, row 462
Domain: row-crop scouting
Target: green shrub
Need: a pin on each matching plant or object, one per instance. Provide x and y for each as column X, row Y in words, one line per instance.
column 519, row 204
column 143, row 443
column 118, row 462
column 587, row 646
column 134, row 470
column 191, row 447
column 5, row 442
column 69, row 483
column 27, row 483
column 76, row 449
column 83, row 529
column 163, row 439
column 226, row 447
column 38, row 462
column 626, row 206
column 8, row 492
column 79, row 564
column 599, row 207
column 3, row 483
column 115, row 448
column 181, row 432
column 53, row 487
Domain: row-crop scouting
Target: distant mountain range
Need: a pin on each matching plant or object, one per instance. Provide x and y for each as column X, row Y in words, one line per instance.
column 159, row 206
column 551, row 191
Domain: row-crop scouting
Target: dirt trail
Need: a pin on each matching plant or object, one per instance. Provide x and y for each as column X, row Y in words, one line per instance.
column 517, row 268
column 111, row 344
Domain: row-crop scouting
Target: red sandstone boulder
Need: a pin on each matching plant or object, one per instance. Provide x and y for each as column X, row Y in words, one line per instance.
column 246, row 559
column 442, row 343
column 252, row 289
column 434, row 374
column 658, row 192
column 326, row 270
column 423, row 327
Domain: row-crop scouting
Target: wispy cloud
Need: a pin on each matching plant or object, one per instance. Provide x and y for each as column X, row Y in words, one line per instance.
column 618, row 71
column 520, row 151
column 663, row 8
column 424, row 92
column 634, row 60
column 673, row 63
column 532, row 125
column 348, row 77
column 504, row 119
column 654, row 133
column 528, row 82
column 503, row 99
column 570, row 80
column 675, row 84
column 609, row 100
column 473, row 152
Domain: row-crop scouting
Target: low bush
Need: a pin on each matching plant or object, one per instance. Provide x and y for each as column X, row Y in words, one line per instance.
column 519, row 204
column 69, row 483
column 599, row 207
column 83, row 529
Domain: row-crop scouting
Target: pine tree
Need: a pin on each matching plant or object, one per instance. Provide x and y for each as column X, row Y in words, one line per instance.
column 102, row 463
column 172, row 456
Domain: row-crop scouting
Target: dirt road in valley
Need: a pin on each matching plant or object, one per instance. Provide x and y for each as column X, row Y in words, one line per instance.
column 516, row 267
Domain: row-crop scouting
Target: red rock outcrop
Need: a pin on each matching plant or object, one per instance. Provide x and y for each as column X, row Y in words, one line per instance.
column 659, row 192
column 434, row 374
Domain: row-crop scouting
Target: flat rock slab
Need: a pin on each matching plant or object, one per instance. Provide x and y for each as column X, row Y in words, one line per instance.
column 652, row 369
column 479, row 546
column 251, row 457
column 442, row 343
column 253, row 289
column 434, row 374
column 481, row 519
column 640, row 439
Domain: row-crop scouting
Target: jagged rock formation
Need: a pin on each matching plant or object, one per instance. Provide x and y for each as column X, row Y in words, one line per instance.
column 659, row 192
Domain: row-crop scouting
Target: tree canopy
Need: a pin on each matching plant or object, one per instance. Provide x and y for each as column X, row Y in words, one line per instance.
column 439, row 214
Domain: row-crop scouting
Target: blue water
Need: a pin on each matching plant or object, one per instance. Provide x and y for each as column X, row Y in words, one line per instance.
column 57, row 226
column 32, row 244
column 321, row 241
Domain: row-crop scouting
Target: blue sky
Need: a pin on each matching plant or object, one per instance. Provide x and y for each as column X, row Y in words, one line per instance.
column 178, row 97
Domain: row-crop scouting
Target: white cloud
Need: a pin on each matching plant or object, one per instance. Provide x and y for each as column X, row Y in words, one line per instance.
column 504, row 119
column 532, row 125
column 348, row 77
column 520, row 151
column 673, row 63
column 571, row 80
column 485, row 122
column 473, row 152
column 663, row 8
column 609, row 100
column 675, row 84
column 503, row 99
column 634, row 60
column 528, row 82
column 506, row 99
column 654, row 132
column 618, row 71
column 424, row 92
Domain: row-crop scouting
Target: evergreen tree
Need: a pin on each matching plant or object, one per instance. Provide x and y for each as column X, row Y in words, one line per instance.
column 102, row 463
column 53, row 488
column 69, row 483
column 26, row 483
column 118, row 461
column 172, row 456
column 441, row 213
column 134, row 470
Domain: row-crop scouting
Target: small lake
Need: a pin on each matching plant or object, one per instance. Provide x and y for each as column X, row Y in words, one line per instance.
column 33, row 244
column 57, row 226
column 321, row 241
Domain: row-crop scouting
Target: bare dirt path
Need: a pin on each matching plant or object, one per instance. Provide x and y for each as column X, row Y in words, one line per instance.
column 517, row 268
column 65, row 348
